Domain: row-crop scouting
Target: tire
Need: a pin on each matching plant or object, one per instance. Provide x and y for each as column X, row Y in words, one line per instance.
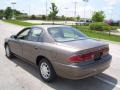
column 8, row 52
column 46, row 70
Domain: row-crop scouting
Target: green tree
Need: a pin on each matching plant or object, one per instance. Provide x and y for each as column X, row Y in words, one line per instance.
column 62, row 17
column 8, row 13
column 18, row 13
column 78, row 18
column 53, row 12
column 1, row 14
column 98, row 16
column 33, row 17
column 43, row 17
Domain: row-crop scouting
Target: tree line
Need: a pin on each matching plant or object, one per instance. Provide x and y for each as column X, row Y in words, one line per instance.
column 8, row 14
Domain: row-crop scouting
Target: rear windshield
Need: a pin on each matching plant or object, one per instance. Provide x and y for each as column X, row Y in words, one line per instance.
column 64, row 34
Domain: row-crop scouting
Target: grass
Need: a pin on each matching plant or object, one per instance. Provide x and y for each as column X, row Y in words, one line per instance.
column 83, row 27
column 18, row 22
column 87, row 27
column 98, row 34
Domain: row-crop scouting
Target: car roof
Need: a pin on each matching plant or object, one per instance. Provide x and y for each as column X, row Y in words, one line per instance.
column 50, row 26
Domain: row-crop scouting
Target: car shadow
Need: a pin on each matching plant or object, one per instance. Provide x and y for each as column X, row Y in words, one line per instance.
column 91, row 83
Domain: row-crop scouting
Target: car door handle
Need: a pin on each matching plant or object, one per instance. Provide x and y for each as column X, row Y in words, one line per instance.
column 14, row 41
column 36, row 48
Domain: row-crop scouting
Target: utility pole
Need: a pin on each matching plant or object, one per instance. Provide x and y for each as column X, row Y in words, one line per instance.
column 75, row 3
column 85, row 1
column 46, row 9
column 29, row 8
column 66, row 16
column 13, row 13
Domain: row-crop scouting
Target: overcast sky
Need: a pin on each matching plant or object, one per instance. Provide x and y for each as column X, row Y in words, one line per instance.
column 111, row 7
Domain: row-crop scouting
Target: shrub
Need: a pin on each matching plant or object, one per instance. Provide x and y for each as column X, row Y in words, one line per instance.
column 113, row 28
column 33, row 17
column 99, row 26
column 22, row 17
column 43, row 17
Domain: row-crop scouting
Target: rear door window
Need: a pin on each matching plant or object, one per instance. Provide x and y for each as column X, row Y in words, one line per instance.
column 35, row 34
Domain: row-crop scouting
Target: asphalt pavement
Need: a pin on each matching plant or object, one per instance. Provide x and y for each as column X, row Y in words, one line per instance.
column 16, row 74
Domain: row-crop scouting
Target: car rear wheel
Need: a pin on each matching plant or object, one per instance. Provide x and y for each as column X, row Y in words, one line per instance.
column 47, row 72
column 8, row 52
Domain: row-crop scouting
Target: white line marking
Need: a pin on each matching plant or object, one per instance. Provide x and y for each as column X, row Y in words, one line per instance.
column 108, row 82
column 1, row 61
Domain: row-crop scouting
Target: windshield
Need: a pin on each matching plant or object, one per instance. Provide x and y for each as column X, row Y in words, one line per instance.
column 63, row 34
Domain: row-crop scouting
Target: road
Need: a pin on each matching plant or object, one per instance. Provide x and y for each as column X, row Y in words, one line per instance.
column 18, row 75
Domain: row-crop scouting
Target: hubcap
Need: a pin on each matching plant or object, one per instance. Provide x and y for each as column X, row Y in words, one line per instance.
column 7, row 51
column 45, row 70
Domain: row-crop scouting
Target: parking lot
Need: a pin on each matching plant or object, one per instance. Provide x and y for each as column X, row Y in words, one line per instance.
column 18, row 75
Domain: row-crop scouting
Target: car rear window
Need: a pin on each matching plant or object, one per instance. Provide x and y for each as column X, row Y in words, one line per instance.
column 63, row 34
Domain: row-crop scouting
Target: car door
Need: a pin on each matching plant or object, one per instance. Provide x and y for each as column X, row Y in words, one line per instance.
column 30, row 47
column 16, row 44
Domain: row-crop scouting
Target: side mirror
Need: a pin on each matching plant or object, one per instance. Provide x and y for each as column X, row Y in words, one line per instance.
column 14, row 36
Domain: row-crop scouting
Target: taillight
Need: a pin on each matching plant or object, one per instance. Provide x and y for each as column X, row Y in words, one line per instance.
column 105, row 51
column 89, row 56
column 80, row 58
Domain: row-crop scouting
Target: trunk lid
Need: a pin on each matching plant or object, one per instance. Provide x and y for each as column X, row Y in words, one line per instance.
column 85, row 44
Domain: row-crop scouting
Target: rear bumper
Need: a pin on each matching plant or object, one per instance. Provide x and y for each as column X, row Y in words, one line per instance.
column 79, row 72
